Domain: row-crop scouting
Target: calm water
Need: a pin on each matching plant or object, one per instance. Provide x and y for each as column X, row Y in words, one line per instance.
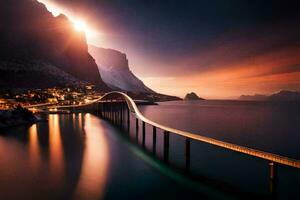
column 272, row 127
column 80, row 156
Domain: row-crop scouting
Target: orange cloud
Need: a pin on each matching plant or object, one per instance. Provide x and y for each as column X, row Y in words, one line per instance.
column 264, row 73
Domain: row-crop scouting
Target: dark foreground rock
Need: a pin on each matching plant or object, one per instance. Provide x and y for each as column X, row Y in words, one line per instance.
column 16, row 117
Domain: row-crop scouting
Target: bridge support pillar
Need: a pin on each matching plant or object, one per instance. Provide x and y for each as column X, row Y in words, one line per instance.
column 154, row 140
column 166, row 146
column 101, row 109
column 116, row 113
column 98, row 109
column 144, row 135
column 273, row 177
column 115, row 110
column 137, row 130
column 119, row 115
column 187, row 154
column 128, row 120
column 105, row 110
column 110, row 113
column 122, row 107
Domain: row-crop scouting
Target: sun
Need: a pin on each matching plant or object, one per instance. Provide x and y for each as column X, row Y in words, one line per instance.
column 80, row 25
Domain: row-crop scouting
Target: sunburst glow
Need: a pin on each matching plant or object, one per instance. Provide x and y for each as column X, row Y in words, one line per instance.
column 93, row 36
column 80, row 25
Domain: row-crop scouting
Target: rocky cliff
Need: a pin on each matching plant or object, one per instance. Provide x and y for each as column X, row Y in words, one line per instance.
column 115, row 72
column 28, row 32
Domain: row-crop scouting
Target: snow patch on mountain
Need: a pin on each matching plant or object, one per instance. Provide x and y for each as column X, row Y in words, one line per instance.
column 115, row 72
column 123, row 79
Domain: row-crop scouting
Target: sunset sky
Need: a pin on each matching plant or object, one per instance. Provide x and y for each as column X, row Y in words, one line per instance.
column 217, row 48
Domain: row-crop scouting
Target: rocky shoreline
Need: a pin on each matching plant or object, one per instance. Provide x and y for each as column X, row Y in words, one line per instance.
column 16, row 117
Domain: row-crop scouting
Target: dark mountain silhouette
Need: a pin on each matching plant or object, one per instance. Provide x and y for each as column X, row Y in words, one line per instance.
column 115, row 72
column 280, row 96
column 192, row 96
column 285, row 96
column 31, row 37
column 34, row 74
column 256, row 97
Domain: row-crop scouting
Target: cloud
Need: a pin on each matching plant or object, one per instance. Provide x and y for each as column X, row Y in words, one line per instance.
column 239, row 46
column 250, row 47
column 266, row 72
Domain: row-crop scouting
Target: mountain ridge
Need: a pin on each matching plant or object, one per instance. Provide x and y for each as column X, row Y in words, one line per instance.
column 28, row 31
column 283, row 95
column 115, row 72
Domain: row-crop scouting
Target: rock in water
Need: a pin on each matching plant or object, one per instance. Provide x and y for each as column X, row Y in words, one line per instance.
column 192, row 96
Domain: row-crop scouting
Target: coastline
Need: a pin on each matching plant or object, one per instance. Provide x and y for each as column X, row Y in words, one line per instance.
column 16, row 117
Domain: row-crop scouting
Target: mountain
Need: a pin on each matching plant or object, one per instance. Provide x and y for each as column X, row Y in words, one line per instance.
column 280, row 96
column 29, row 35
column 192, row 96
column 285, row 96
column 256, row 97
column 115, row 72
column 34, row 74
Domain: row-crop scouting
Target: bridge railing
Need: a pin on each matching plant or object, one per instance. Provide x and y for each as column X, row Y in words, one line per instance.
column 115, row 105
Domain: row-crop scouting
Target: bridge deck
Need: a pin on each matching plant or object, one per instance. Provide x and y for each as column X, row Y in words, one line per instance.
column 137, row 175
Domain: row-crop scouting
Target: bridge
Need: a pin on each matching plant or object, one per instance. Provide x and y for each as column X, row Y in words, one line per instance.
column 119, row 109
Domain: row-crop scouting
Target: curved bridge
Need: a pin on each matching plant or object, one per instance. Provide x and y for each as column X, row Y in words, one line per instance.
column 113, row 106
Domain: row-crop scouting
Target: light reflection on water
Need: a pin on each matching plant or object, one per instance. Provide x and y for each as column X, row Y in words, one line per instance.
column 76, row 156
column 34, row 147
column 95, row 161
column 80, row 120
column 73, row 120
column 55, row 148
column 57, row 160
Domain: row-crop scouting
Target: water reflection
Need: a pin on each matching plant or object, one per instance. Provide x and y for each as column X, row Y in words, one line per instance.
column 34, row 147
column 73, row 120
column 95, row 161
column 80, row 121
column 59, row 160
column 55, row 147
column 65, row 158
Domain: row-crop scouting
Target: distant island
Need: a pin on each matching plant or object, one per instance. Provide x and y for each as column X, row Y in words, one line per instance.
column 192, row 96
column 283, row 95
column 255, row 97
